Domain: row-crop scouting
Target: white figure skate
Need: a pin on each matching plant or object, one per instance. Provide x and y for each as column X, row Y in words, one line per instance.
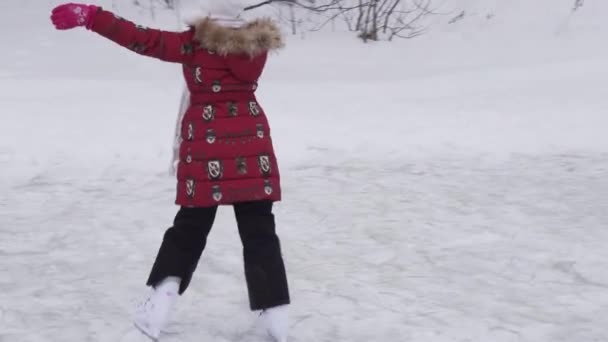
column 152, row 315
column 276, row 322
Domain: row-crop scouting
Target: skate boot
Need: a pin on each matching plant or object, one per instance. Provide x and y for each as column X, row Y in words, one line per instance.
column 276, row 322
column 152, row 315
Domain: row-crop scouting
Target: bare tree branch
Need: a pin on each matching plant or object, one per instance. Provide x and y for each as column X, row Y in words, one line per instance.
column 375, row 19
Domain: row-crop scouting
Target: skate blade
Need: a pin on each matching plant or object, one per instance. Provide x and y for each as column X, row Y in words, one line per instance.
column 145, row 333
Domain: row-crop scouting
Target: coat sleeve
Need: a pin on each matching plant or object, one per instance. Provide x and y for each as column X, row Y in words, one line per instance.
column 176, row 47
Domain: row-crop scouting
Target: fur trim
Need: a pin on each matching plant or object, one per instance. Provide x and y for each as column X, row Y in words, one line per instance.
column 253, row 38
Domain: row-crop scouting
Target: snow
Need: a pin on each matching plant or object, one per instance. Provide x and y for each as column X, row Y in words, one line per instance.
column 448, row 188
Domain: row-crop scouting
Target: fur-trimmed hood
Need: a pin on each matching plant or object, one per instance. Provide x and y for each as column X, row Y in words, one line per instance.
column 253, row 38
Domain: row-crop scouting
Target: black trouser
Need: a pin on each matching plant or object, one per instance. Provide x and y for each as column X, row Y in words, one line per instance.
column 184, row 243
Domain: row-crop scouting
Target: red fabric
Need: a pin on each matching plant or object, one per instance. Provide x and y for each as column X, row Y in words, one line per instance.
column 227, row 154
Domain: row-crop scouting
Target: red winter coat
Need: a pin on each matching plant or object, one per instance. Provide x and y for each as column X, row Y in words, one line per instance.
column 226, row 154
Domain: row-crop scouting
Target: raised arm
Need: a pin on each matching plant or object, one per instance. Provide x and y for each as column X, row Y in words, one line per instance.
column 167, row 46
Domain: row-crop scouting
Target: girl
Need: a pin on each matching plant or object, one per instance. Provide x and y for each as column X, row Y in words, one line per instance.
column 224, row 151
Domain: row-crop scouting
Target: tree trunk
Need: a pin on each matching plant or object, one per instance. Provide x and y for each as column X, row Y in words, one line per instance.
column 374, row 8
column 361, row 13
column 389, row 14
column 292, row 18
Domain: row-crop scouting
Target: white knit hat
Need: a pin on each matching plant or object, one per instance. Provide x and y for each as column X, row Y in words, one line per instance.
column 224, row 12
column 229, row 13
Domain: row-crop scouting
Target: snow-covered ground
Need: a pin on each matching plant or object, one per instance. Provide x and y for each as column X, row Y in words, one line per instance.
column 449, row 188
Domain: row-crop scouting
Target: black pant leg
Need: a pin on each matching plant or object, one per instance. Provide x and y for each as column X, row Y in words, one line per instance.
column 182, row 246
column 264, row 266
